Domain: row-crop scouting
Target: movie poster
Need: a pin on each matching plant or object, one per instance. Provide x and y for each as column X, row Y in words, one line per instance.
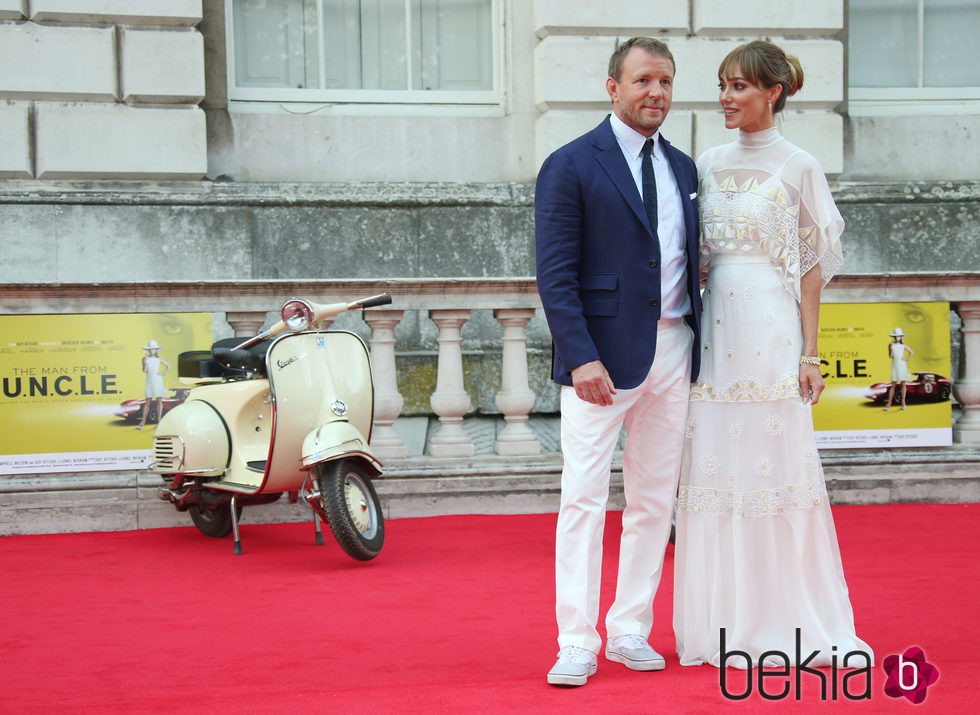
column 74, row 387
column 868, row 350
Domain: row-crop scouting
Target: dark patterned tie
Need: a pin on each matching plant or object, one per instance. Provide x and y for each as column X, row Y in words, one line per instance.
column 649, row 185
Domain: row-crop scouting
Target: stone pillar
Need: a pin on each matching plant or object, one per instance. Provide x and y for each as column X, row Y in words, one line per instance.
column 245, row 323
column 515, row 398
column 450, row 401
column 388, row 402
column 967, row 386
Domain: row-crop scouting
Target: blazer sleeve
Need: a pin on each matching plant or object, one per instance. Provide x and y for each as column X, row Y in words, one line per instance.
column 558, row 226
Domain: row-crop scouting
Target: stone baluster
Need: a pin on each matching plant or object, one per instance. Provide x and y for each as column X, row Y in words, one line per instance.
column 245, row 323
column 450, row 401
column 515, row 398
column 388, row 402
column 967, row 386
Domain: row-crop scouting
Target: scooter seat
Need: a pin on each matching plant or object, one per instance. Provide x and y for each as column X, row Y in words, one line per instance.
column 198, row 365
column 251, row 359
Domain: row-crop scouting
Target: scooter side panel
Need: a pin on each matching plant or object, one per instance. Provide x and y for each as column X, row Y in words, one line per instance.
column 191, row 439
column 243, row 409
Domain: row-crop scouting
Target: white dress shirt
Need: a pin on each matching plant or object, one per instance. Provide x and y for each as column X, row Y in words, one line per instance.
column 675, row 302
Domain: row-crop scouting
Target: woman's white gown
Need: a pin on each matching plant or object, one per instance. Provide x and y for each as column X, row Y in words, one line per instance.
column 756, row 551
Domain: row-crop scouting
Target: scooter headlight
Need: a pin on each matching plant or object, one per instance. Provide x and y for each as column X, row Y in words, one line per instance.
column 297, row 314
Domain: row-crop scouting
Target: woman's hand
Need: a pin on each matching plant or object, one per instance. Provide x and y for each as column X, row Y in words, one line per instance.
column 811, row 383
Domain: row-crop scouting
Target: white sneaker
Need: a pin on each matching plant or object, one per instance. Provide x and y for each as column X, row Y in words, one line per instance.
column 635, row 653
column 574, row 666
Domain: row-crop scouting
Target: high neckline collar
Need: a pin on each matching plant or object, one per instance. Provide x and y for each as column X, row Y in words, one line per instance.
column 757, row 140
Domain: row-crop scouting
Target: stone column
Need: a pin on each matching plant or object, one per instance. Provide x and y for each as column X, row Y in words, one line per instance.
column 515, row 398
column 967, row 386
column 245, row 323
column 450, row 401
column 388, row 402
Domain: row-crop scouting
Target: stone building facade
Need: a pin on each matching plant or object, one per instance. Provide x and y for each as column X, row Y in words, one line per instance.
column 131, row 150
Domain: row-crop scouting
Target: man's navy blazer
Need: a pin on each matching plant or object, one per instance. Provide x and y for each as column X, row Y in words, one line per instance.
column 598, row 261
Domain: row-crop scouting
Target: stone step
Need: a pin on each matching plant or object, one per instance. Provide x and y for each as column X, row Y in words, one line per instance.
column 423, row 486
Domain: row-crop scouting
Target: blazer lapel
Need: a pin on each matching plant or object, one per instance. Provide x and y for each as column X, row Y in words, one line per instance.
column 680, row 175
column 610, row 158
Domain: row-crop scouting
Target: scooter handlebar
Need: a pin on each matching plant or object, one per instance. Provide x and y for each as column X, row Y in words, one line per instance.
column 373, row 301
column 314, row 312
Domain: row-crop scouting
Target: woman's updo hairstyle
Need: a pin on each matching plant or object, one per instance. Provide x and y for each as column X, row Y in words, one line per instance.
column 765, row 65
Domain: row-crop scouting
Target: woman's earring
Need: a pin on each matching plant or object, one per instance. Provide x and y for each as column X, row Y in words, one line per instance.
column 770, row 106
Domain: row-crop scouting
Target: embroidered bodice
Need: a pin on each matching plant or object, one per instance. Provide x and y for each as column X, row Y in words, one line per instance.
column 764, row 194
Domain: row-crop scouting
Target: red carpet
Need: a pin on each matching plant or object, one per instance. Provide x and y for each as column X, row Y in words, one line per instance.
column 456, row 615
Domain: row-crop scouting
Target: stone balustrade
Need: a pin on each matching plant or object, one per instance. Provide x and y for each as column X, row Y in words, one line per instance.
column 449, row 304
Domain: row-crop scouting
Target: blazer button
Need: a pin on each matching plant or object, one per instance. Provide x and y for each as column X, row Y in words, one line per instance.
column 654, row 263
column 653, row 302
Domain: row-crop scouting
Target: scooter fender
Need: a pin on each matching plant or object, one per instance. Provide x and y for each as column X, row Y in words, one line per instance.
column 191, row 439
column 337, row 439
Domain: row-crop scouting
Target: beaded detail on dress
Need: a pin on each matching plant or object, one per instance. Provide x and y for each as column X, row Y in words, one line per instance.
column 746, row 388
column 761, row 502
column 780, row 207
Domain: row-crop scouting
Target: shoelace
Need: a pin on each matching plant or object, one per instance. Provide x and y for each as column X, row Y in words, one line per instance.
column 574, row 654
column 631, row 641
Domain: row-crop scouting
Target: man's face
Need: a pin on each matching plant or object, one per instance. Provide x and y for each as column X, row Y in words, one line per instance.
column 641, row 96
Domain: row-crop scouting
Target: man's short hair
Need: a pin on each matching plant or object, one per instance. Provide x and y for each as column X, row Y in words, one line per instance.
column 649, row 44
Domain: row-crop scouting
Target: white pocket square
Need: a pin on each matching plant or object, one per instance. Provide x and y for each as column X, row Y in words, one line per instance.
column 694, row 195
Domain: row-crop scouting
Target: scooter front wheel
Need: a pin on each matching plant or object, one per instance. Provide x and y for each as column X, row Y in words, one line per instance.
column 352, row 507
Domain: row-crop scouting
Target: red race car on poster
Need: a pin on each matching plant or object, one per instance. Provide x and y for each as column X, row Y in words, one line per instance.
column 926, row 387
column 132, row 410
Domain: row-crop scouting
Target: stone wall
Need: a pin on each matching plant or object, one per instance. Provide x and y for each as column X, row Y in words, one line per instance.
column 101, row 89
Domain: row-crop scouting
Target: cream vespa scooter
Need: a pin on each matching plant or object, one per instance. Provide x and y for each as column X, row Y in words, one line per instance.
column 286, row 412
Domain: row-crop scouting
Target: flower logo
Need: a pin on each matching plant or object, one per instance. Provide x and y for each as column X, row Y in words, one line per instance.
column 909, row 675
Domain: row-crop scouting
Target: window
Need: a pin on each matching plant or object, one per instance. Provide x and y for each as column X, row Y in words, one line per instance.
column 902, row 50
column 422, row 51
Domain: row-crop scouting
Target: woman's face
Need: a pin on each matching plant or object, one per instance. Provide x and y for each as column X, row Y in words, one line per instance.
column 746, row 105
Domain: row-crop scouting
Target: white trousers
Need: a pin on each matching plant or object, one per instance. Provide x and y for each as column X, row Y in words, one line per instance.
column 655, row 416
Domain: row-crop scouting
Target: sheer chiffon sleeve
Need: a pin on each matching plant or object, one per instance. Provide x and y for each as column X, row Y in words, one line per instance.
column 821, row 224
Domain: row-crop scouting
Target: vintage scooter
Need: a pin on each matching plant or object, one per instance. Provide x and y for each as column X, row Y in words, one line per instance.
column 288, row 411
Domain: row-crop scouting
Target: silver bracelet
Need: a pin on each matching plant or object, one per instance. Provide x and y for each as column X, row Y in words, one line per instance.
column 810, row 360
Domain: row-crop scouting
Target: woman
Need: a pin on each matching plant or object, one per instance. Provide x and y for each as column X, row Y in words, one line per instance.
column 757, row 552
column 899, row 353
column 154, row 390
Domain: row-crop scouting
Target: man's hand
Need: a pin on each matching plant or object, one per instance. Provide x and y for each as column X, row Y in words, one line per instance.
column 592, row 383
column 811, row 383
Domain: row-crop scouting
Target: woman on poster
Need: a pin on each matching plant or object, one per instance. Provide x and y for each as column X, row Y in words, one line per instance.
column 155, row 391
column 757, row 558
column 899, row 353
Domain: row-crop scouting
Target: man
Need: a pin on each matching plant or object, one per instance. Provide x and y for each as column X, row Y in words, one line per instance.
column 618, row 277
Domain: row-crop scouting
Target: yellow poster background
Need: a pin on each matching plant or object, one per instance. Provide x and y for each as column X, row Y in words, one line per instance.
column 63, row 379
column 854, row 340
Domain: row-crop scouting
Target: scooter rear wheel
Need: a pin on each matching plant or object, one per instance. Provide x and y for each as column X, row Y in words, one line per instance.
column 352, row 507
column 213, row 521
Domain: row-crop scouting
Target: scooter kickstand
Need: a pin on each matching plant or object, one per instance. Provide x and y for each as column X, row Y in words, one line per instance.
column 319, row 531
column 234, row 526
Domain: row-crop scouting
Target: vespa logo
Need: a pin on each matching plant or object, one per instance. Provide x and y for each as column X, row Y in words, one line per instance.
column 339, row 408
column 283, row 364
